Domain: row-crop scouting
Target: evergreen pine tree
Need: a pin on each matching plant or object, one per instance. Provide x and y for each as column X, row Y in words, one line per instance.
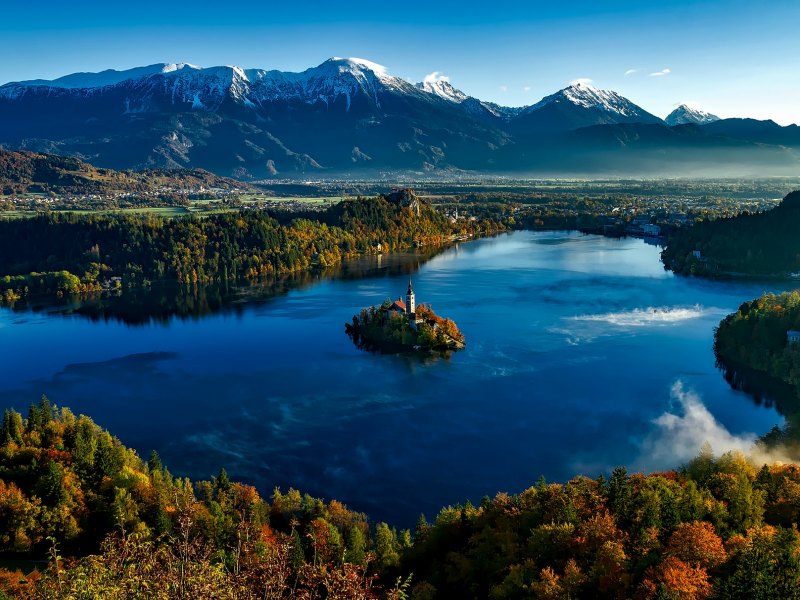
column 356, row 546
column 154, row 462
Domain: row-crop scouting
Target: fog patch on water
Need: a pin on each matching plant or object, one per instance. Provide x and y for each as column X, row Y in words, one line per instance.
column 681, row 431
column 650, row 316
column 580, row 329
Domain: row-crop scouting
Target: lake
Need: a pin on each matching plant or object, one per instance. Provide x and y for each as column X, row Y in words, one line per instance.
column 582, row 354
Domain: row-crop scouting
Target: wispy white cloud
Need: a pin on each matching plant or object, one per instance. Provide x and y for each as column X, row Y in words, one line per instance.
column 581, row 81
column 436, row 76
column 630, row 72
column 527, row 88
column 661, row 73
column 503, row 88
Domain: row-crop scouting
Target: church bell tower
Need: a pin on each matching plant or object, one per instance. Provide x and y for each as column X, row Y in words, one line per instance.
column 411, row 305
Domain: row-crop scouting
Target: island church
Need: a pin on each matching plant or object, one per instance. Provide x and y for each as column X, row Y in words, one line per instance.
column 407, row 308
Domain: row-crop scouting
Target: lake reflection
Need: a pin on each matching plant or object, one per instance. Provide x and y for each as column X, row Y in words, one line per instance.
column 164, row 301
column 574, row 344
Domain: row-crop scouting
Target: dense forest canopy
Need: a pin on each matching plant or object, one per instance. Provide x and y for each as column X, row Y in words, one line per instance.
column 65, row 485
column 756, row 336
column 755, row 352
column 115, row 526
column 765, row 244
column 70, row 253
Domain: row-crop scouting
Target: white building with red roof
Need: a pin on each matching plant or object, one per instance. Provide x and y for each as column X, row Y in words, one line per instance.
column 407, row 308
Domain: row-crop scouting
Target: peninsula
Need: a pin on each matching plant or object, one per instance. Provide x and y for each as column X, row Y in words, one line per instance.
column 763, row 335
column 762, row 244
column 398, row 326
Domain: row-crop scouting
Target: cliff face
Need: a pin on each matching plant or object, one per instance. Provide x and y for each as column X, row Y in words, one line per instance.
column 405, row 198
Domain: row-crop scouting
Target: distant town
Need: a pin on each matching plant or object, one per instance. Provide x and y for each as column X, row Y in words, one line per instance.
column 644, row 208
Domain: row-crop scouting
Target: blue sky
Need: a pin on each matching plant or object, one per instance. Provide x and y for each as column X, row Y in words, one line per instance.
column 730, row 57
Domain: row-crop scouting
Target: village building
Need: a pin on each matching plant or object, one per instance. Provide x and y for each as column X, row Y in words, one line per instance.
column 407, row 308
column 398, row 306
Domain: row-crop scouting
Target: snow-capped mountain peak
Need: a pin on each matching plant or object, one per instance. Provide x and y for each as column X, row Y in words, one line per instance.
column 440, row 86
column 334, row 78
column 352, row 63
column 359, row 68
column 172, row 67
column 686, row 114
column 588, row 96
column 582, row 105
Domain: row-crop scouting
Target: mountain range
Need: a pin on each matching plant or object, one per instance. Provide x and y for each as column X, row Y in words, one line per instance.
column 351, row 117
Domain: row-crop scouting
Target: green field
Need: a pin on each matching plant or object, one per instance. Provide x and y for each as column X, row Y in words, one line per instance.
column 14, row 214
column 305, row 199
column 161, row 211
column 165, row 211
column 198, row 207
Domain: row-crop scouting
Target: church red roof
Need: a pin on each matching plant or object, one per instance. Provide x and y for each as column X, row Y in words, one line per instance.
column 399, row 304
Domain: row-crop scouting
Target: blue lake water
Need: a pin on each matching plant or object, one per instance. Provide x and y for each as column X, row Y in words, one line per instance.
column 582, row 354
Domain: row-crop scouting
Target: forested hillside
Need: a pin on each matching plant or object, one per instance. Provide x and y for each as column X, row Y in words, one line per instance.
column 121, row 527
column 755, row 336
column 69, row 489
column 765, row 244
column 754, row 352
column 70, row 253
column 26, row 172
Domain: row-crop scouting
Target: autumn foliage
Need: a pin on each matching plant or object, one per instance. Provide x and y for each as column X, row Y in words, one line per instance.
column 111, row 525
column 105, row 524
column 674, row 578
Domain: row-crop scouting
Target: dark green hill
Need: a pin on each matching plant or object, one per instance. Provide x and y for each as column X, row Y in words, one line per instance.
column 33, row 172
column 764, row 244
column 756, row 336
column 73, row 253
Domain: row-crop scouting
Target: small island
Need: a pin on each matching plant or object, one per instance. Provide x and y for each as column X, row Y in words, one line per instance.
column 398, row 326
